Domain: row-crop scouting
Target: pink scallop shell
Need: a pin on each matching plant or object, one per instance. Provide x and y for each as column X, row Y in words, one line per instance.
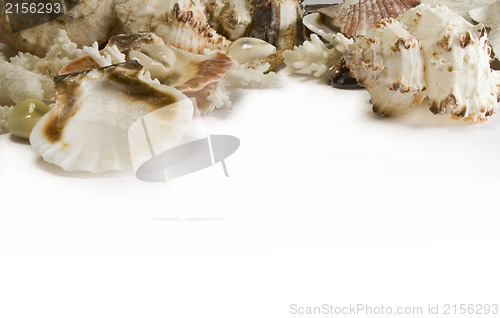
column 357, row 17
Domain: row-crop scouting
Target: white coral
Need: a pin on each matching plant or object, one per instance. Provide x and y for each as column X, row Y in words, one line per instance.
column 311, row 58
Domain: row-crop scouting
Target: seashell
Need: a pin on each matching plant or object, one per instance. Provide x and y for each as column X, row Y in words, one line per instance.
column 321, row 25
column 87, row 130
column 245, row 50
column 489, row 16
column 124, row 44
column 388, row 62
column 340, row 77
column 272, row 19
column 437, row 54
column 461, row 7
column 265, row 20
column 356, row 17
column 180, row 23
column 485, row 12
column 311, row 58
column 458, row 77
column 193, row 72
column 88, row 21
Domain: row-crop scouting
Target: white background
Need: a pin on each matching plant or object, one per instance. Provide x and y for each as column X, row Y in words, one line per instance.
column 325, row 204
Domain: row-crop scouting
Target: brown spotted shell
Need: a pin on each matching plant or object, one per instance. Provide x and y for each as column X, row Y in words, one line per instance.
column 356, row 17
column 192, row 73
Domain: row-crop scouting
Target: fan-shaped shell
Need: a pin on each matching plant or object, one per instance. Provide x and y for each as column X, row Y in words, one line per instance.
column 88, row 128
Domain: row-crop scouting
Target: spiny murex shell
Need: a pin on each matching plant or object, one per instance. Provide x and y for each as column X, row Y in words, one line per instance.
column 87, row 130
column 88, row 21
column 180, row 23
column 452, row 68
column 266, row 20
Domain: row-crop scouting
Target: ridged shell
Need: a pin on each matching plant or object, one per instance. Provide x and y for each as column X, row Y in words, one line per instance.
column 266, row 20
column 180, row 23
column 192, row 72
column 489, row 16
column 88, row 128
column 87, row 22
column 356, row 17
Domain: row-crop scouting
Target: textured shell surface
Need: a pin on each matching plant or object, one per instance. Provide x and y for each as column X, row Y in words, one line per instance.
column 356, row 17
column 180, row 23
column 388, row 62
column 87, row 22
column 457, row 62
column 271, row 20
column 231, row 17
column 453, row 61
column 88, row 128
column 246, row 49
column 461, row 7
column 186, row 71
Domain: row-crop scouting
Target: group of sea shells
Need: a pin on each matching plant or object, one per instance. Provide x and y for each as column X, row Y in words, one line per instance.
column 169, row 59
column 414, row 52
column 139, row 57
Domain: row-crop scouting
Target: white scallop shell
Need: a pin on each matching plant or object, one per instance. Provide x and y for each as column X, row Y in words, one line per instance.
column 88, row 128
